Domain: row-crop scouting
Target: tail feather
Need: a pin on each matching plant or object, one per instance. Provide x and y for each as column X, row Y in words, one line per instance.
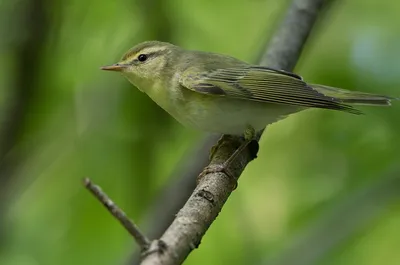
column 354, row 97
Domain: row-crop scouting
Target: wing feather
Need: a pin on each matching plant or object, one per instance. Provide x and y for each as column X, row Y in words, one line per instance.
column 261, row 84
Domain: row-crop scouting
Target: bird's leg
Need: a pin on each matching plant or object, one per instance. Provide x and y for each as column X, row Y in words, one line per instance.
column 249, row 135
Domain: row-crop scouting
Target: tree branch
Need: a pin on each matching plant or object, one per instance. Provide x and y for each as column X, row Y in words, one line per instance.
column 176, row 193
column 130, row 226
column 207, row 200
column 286, row 45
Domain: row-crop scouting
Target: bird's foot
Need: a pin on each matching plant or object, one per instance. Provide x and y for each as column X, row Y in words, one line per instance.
column 218, row 168
column 215, row 147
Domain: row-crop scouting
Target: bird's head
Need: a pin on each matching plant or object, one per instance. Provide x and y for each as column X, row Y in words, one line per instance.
column 146, row 62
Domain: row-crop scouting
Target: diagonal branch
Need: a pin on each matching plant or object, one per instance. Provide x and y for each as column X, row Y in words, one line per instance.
column 140, row 238
column 176, row 193
column 207, row 200
column 286, row 45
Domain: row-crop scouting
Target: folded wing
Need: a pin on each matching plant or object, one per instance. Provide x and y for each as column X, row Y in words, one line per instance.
column 261, row 84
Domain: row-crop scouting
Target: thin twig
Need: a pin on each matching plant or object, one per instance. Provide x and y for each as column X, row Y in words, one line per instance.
column 129, row 225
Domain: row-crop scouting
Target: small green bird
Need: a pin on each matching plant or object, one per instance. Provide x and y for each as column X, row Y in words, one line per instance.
column 218, row 93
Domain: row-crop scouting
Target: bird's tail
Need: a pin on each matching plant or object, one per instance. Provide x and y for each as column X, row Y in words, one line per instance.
column 353, row 97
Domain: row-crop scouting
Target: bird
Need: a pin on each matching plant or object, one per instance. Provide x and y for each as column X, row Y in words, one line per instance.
column 218, row 93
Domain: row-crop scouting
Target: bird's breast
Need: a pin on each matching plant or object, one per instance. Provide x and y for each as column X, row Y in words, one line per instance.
column 216, row 114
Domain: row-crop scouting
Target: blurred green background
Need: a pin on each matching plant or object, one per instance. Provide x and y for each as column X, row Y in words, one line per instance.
column 325, row 188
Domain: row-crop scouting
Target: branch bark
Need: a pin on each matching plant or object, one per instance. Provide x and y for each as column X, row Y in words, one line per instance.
column 130, row 226
column 207, row 200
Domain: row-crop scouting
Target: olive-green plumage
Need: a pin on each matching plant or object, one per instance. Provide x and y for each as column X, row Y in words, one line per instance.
column 218, row 93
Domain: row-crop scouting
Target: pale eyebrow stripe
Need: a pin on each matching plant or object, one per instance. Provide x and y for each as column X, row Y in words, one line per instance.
column 147, row 50
column 150, row 54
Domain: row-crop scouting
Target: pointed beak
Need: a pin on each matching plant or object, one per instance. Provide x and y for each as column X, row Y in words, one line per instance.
column 114, row 67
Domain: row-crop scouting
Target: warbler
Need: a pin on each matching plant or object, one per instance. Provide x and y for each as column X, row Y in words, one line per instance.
column 221, row 94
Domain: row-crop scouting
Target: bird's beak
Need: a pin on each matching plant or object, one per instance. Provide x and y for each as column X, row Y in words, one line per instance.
column 114, row 67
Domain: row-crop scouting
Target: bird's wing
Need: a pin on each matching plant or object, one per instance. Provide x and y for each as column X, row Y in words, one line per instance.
column 261, row 84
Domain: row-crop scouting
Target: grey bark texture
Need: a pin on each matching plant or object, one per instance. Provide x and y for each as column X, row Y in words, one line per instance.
column 208, row 198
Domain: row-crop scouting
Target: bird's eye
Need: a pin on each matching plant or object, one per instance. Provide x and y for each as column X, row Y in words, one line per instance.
column 142, row 57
